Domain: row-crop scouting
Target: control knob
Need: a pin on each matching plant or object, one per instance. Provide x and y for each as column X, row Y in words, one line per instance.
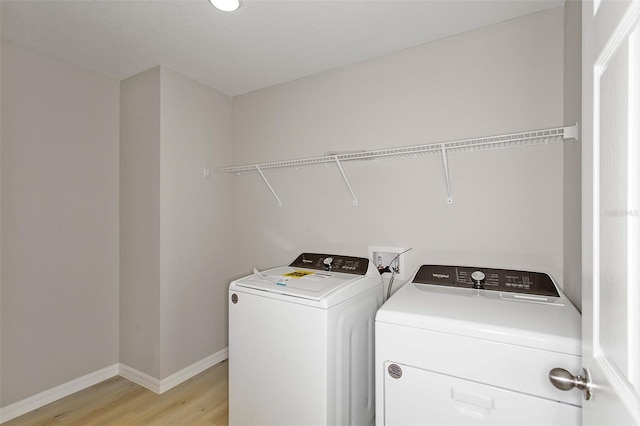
column 478, row 279
column 327, row 263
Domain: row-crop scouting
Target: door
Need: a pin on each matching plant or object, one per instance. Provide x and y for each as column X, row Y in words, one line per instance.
column 611, row 213
column 415, row 396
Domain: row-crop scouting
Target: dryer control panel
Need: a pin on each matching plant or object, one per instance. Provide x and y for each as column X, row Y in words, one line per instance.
column 494, row 279
column 333, row 263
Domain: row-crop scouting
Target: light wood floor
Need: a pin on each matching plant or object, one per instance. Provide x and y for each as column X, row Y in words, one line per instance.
column 201, row 400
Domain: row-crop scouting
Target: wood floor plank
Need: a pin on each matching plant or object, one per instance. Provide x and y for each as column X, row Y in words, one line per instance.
column 201, row 400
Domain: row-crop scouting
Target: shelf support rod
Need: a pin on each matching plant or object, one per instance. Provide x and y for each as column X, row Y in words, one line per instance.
column 445, row 164
column 269, row 185
column 346, row 180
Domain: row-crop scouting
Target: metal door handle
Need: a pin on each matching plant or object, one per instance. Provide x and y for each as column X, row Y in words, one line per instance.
column 565, row 381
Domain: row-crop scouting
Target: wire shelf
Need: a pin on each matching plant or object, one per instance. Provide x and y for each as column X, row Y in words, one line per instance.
column 512, row 140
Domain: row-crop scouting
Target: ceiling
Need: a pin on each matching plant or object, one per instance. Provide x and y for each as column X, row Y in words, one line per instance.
column 265, row 42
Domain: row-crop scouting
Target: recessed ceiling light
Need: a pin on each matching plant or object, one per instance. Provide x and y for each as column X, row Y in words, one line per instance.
column 226, row 5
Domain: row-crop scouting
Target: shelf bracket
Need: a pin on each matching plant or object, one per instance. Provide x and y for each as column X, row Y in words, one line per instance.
column 346, row 180
column 570, row 132
column 445, row 164
column 269, row 185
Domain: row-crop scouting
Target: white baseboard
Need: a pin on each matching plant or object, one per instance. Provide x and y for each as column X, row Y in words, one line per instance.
column 158, row 386
column 137, row 376
column 192, row 370
column 43, row 398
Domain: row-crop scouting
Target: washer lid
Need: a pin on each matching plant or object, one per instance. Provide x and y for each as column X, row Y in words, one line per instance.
column 303, row 283
column 548, row 323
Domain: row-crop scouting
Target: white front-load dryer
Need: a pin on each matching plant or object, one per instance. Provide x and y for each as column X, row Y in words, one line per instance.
column 301, row 348
column 451, row 354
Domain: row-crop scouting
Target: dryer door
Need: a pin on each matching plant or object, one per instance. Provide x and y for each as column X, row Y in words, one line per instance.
column 415, row 396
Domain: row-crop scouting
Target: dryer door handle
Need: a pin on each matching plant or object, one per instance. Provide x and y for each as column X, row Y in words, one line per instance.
column 471, row 404
column 481, row 401
column 565, row 381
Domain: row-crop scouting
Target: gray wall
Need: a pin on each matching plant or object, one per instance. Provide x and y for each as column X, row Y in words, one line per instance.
column 174, row 233
column 109, row 255
column 194, row 227
column 59, row 223
column 507, row 208
column 140, row 222
column 572, row 200
column 1, row 207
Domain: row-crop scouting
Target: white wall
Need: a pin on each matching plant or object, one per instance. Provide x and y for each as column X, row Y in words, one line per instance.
column 507, row 208
column 175, row 233
column 59, row 223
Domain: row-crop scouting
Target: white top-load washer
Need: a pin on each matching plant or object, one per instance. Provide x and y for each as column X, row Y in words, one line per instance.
column 301, row 348
column 475, row 346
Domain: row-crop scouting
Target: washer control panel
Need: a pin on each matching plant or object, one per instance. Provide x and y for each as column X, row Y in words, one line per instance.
column 332, row 262
column 494, row 279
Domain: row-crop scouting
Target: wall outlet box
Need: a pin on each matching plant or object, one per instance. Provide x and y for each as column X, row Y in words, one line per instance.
column 382, row 257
